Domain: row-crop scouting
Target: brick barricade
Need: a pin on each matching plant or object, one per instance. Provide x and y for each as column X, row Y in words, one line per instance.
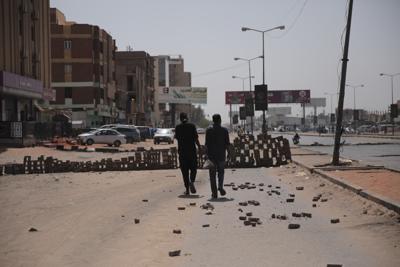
column 245, row 152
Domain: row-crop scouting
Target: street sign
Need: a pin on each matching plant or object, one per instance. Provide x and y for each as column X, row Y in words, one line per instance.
column 242, row 113
column 260, row 97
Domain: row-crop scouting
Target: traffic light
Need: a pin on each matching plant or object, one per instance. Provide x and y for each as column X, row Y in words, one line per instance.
column 394, row 111
column 248, row 103
column 235, row 119
column 356, row 115
column 261, row 97
column 333, row 118
column 242, row 113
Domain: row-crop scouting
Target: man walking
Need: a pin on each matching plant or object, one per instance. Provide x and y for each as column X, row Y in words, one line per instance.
column 187, row 137
column 217, row 142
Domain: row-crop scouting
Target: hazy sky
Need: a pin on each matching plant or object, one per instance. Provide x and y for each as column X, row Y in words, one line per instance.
column 207, row 33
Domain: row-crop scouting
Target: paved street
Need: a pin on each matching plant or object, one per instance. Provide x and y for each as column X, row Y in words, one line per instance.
column 373, row 151
column 87, row 219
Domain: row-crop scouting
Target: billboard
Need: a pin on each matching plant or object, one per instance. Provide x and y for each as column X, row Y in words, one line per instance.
column 236, row 97
column 183, row 95
column 274, row 96
column 289, row 96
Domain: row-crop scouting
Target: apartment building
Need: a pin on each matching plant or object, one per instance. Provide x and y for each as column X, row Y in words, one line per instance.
column 135, row 86
column 83, row 71
column 25, row 69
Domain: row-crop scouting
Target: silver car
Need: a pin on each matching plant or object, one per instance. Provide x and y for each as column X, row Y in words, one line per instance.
column 102, row 136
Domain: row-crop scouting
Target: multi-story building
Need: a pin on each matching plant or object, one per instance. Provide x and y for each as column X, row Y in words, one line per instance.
column 83, row 71
column 173, row 68
column 25, row 70
column 135, row 83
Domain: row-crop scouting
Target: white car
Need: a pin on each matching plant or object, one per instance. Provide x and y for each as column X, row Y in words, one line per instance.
column 164, row 135
column 201, row 130
column 103, row 136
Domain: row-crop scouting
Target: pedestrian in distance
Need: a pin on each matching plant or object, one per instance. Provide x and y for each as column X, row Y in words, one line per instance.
column 187, row 137
column 217, row 143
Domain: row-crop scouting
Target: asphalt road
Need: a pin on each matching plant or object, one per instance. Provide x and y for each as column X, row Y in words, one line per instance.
column 372, row 151
column 87, row 219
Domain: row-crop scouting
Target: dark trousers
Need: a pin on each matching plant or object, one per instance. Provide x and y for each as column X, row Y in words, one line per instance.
column 188, row 164
column 219, row 166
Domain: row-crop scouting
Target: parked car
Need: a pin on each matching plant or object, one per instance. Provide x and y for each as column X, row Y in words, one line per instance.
column 102, row 136
column 164, row 135
column 132, row 133
column 201, row 130
column 145, row 132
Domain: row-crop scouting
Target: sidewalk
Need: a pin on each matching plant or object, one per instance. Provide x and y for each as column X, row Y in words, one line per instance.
column 372, row 182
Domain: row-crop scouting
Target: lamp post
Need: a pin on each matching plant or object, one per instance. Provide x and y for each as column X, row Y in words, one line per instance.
column 249, row 61
column 354, row 88
column 282, row 27
column 242, row 78
column 391, row 79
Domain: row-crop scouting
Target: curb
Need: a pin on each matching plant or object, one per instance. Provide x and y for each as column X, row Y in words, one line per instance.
column 381, row 200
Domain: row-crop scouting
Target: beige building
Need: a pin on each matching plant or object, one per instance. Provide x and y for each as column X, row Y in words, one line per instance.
column 173, row 68
column 25, row 69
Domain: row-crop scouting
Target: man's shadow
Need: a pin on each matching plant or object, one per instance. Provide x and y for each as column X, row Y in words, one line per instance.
column 190, row 196
column 221, row 199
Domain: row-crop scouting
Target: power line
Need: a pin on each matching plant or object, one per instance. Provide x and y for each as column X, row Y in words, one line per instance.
column 291, row 26
column 220, row 70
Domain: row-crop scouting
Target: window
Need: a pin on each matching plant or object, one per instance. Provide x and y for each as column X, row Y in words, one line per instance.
column 67, row 44
column 68, row 92
column 67, row 68
column 129, row 82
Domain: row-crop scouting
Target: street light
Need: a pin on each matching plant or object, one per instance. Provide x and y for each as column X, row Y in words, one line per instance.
column 242, row 78
column 249, row 60
column 331, row 95
column 354, row 88
column 391, row 78
column 282, row 27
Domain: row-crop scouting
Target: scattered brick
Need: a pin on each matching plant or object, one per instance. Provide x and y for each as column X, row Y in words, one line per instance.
column 174, row 253
column 293, row 226
column 335, row 220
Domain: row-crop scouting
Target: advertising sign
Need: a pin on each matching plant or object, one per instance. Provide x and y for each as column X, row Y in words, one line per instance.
column 289, row 96
column 183, row 95
column 235, row 97
column 274, row 97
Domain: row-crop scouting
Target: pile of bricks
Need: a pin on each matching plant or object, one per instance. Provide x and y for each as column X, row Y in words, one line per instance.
column 245, row 152
column 140, row 160
column 251, row 152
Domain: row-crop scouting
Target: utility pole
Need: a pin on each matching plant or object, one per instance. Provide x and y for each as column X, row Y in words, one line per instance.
column 338, row 133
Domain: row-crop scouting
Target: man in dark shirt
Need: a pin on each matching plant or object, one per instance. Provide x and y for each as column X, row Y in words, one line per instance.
column 217, row 142
column 187, row 137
